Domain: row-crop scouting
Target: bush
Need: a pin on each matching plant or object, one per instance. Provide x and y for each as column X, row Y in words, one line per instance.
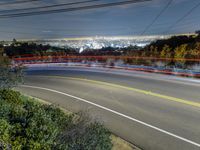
column 27, row 124
column 10, row 96
column 5, row 109
column 83, row 134
column 97, row 137
column 4, row 134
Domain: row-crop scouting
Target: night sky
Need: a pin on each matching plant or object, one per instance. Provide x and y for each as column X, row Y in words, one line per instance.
column 126, row 20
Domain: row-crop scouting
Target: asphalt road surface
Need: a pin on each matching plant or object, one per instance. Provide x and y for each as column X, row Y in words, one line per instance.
column 155, row 112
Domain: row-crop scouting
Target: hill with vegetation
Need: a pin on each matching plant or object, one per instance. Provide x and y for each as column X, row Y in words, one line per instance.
column 182, row 46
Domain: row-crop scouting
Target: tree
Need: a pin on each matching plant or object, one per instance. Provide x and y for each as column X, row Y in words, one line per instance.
column 166, row 52
column 10, row 75
column 197, row 32
column 14, row 41
column 180, row 52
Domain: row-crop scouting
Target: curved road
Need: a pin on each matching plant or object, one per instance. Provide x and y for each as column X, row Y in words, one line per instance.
column 150, row 110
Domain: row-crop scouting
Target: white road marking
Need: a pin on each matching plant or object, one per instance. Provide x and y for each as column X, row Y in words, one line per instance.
column 115, row 112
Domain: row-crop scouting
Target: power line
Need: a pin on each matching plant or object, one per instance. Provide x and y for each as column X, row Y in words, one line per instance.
column 183, row 17
column 156, row 18
column 72, row 9
column 17, row 2
column 50, row 6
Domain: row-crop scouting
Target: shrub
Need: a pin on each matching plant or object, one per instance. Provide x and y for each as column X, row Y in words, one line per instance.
column 97, row 137
column 59, row 116
column 4, row 134
column 10, row 96
column 10, row 75
column 5, row 109
column 27, row 124
column 85, row 135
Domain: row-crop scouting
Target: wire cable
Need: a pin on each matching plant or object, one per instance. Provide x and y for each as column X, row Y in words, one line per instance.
column 72, row 9
column 50, row 6
column 17, row 2
column 182, row 18
column 157, row 17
